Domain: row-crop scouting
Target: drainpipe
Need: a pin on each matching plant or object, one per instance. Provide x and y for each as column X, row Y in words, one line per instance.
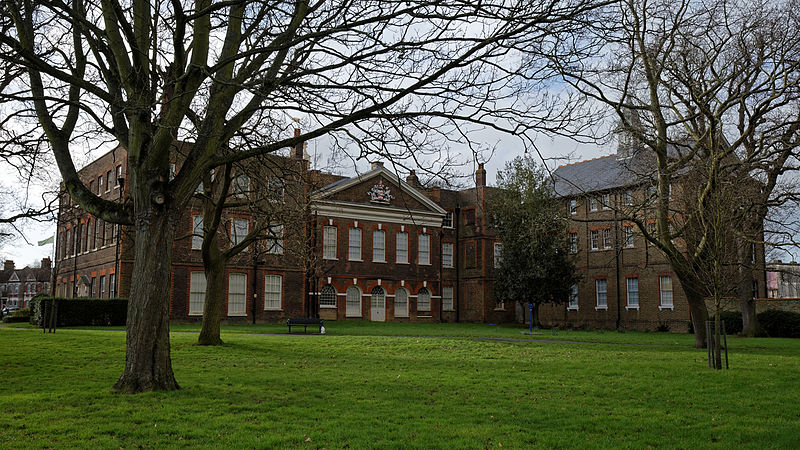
column 617, row 252
column 255, row 282
column 456, row 260
column 121, row 182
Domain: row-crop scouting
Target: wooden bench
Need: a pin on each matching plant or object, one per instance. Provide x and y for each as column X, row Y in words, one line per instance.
column 305, row 322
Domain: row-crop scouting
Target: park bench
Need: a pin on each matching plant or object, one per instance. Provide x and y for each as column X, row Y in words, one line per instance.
column 304, row 322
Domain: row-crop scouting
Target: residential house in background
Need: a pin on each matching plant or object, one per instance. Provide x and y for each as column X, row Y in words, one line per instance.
column 19, row 286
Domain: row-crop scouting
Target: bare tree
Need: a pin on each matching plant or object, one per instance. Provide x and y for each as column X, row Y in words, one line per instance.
column 713, row 87
column 393, row 77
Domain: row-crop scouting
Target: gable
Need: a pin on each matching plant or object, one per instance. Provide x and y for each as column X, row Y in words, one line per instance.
column 379, row 195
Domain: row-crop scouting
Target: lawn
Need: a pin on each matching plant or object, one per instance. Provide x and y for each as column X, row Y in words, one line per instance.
column 356, row 388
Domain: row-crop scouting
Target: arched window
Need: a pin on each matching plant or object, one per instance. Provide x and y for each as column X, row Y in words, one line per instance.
column 423, row 300
column 327, row 296
column 378, row 297
column 401, row 302
column 353, row 302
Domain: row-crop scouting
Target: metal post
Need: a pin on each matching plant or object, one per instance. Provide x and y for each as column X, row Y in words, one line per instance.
column 530, row 308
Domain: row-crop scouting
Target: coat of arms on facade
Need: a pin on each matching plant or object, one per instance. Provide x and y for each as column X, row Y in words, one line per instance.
column 380, row 194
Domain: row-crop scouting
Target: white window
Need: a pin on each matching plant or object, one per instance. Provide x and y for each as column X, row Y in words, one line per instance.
column 606, row 201
column 573, row 207
column 424, row 250
column 498, row 254
column 378, row 298
column 274, row 243
column 447, row 254
column 447, row 298
column 379, row 246
column 606, row 237
column 99, row 184
column 102, row 286
column 633, row 292
column 423, row 300
column 329, row 243
column 651, row 228
column 237, row 294
column 327, row 296
column 593, row 239
column 592, row 204
column 628, row 235
column 629, row 197
column 573, row 298
column 272, row 292
column 112, row 285
column 573, row 242
column 353, row 302
column 275, row 189
column 665, row 288
column 402, row 247
column 239, row 229
column 197, row 292
column 447, row 222
column 354, row 245
column 401, row 302
column 241, row 185
column 108, row 181
column 600, row 287
column 197, row 232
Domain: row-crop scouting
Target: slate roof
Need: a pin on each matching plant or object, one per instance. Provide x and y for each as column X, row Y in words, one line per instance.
column 599, row 174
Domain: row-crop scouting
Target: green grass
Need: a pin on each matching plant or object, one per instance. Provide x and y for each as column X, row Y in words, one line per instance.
column 366, row 390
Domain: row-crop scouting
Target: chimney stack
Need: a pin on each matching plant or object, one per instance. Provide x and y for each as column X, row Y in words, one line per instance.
column 297, row 150
column 46, row 263
column 480, row 176
column 9, row 265
column 412, row 179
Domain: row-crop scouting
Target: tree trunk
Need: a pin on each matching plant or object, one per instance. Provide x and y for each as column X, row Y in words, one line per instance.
column 697, row 307
column 147, row 359
column 717, row 333
column 750, row 325
column 214, row 264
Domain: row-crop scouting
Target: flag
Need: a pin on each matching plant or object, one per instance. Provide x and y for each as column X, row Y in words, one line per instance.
column 46, row 241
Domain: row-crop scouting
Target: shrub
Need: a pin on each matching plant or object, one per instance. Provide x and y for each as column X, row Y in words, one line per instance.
column 780, row 323
column 733, row 321
column 81, row 311
column 663, row 327
column 21, row 315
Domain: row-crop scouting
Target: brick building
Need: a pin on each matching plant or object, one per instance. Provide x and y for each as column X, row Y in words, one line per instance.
column 19, row 286
column 370, row 247
column 627, row 282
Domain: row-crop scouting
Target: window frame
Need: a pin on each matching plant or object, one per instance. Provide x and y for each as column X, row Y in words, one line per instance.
column 401, row 312
column 424, row 249
column 629, row 291
column 274, row 241
column 271, row 294
column 607, row 241
column 627, row 231
column 379, row 235
column 327, row 245
column 573, row 207
column 424, row 307
column 664, row 293
column 199, row 292
column 448, row 303
column 401, row 237
column 448, row 253
column 601, row 293
column 197, row 238
column 573, row 295
column 594, row 239
column 350, row 310
column 351, row 239
column 235, row 238
column 241, row 297
column 592, row 204
column 322, row 293
column 573, row 242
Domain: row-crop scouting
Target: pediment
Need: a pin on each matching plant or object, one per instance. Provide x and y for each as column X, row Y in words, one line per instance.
column 380, row 188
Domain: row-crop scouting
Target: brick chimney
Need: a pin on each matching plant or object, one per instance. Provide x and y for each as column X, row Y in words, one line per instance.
column 9, row 265
column 480, row 176
column 377, row 164
column 46, row 263
column 297, row 150
column 412, row 179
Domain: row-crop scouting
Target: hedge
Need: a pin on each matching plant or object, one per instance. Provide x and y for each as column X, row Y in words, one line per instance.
column 780, row 323
column 81, row 311
column 22, row 315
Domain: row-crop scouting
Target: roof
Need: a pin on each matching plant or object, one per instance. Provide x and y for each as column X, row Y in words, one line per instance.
column 600, row 174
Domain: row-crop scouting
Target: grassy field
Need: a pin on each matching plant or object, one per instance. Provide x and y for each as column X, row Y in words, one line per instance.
column 358, row 388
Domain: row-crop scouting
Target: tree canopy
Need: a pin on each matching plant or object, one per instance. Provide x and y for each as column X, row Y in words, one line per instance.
column 536, row 266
